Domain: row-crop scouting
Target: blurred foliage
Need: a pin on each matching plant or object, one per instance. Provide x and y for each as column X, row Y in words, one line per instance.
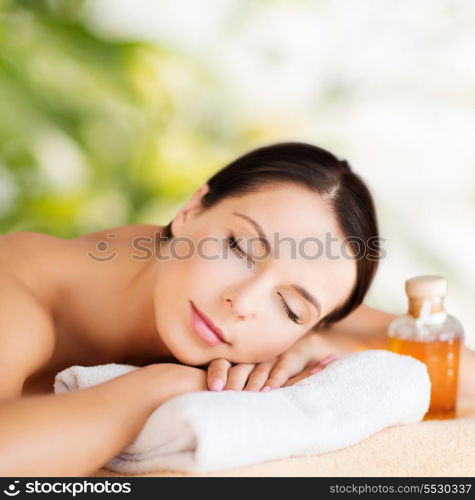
column 95, row 132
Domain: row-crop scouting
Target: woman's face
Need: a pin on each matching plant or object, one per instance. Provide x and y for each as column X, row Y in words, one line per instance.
column 244, row 289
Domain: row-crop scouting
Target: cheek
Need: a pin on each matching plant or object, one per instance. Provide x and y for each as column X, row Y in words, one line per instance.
column 202, row 273
column 196, row 278
column 210, row 267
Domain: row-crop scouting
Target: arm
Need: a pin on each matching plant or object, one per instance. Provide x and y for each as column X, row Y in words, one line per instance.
column 27, row 337
column 80, row 431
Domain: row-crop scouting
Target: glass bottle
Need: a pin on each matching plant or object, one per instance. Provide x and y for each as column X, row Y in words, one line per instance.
column 432, row 336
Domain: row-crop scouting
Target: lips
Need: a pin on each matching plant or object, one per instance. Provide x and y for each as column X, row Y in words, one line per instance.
column 205, row 329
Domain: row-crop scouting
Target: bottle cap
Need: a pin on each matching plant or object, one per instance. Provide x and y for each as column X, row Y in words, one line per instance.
column 420, row 287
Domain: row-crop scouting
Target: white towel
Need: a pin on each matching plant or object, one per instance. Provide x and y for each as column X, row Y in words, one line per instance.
column 352, row 398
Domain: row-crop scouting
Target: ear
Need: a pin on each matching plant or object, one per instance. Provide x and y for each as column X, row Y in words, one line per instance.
column 191, row 208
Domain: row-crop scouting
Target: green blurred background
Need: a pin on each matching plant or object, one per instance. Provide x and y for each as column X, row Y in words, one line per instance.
column 113, row 112
column 96, row 132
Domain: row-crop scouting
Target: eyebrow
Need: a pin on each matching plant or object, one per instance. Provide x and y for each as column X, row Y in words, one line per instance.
column 299, row 289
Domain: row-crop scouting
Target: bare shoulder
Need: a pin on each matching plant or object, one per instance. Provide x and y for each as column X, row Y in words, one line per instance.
column 123, row 234
column 124, row 242
column 17, row 245
column 36, row 259
column 43, row 261
column 50, row 266
column 22, row 251
column 24, row 239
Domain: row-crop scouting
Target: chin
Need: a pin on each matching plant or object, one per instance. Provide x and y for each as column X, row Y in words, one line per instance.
column 187, row 355
column 192, row 360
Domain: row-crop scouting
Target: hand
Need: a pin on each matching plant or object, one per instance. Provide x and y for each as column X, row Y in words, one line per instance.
column 329, row 344
column 312, row 351
column 262, row 376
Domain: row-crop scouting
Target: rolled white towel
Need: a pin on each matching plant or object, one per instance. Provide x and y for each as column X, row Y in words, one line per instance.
column 352, row 398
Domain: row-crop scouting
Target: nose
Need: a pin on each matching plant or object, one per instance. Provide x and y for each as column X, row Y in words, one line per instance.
column 244, row 300
column 237, row 308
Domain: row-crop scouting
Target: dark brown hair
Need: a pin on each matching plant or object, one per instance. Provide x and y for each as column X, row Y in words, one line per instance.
column 320, row 171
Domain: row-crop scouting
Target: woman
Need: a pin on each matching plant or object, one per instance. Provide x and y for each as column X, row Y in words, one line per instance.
column 240, row 304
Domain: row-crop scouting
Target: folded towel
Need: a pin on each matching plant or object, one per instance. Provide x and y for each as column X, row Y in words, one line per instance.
column 352, row 398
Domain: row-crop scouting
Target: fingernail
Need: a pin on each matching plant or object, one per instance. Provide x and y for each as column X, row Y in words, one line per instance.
column 315, row 369
column 266, row 388
column 328, row 359
column 217, row 384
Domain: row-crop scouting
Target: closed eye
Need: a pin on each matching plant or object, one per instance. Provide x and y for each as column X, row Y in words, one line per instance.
column 292, row 316
column 236, row 249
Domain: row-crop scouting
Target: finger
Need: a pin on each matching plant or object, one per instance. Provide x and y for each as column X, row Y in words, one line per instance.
column 287, row 366
column 311, row 370
column 324, row 362
column 218, row 374
column 304, row 374
column 258, row 376
column 237, row 376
